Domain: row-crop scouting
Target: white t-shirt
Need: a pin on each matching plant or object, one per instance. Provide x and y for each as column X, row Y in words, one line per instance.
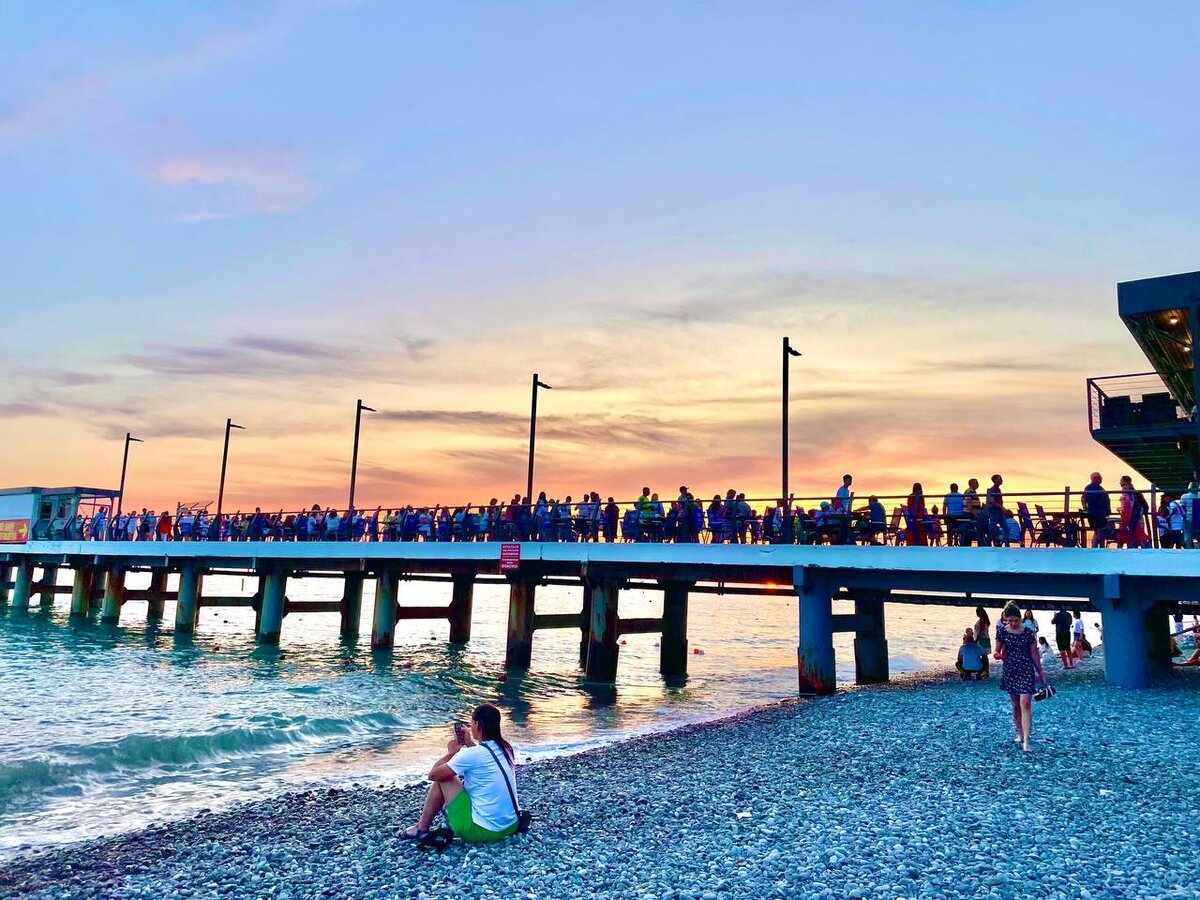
column 491, row 807
column 1079, row 629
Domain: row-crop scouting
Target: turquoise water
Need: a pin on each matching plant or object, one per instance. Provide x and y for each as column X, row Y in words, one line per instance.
column 111, row 728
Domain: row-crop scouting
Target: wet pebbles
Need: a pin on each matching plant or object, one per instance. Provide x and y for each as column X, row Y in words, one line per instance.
column 912, row 790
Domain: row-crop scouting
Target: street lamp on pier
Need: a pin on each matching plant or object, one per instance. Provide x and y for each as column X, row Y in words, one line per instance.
column 129, row 438
column 229, row 426
column 358, row 411
column 788, row 352
column 537, row 383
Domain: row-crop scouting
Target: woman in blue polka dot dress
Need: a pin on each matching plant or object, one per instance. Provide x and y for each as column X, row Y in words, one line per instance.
column 1017, row 646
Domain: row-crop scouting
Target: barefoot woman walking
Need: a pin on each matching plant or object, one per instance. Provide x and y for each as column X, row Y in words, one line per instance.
column 1017, row 646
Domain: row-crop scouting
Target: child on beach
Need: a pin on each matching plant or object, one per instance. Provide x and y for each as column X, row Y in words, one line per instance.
column 1079, row 648
column 972, row 661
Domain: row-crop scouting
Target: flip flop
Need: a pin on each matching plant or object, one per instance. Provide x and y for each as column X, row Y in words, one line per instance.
column 416, row 834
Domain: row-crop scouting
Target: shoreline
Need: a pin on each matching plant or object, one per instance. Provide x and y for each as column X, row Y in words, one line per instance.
column 416, row 784
column 887, row 784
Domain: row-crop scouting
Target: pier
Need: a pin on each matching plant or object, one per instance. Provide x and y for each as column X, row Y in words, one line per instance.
column 1135, row 593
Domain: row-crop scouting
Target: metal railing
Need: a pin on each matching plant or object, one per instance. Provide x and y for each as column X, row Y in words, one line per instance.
column 1139, row 400
column 1050, row 518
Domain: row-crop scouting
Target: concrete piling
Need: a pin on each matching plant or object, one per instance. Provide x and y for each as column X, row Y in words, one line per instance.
column 22, row 584
column 81, row 590
column 270, row 619
column 461, row 602
column 6, row 577
column 383, row 628
column 603, row 646
column 870, row 643
column 187, row 603
column 814, row 654
column 49, row 580
column 585, row 627
column 519, row 646
column 114, row 596
column 673, row 648
column 351, row 608
column 158, row 586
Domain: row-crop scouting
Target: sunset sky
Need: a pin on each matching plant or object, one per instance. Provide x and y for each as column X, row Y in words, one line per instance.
column 267, row 210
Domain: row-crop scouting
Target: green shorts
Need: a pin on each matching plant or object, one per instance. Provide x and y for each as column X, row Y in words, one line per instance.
column 458, row 815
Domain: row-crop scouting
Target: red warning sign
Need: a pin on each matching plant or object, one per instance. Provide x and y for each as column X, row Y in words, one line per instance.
column 510, row 557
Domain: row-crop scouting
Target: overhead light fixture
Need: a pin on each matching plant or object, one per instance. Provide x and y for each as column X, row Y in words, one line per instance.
column 1174, row 320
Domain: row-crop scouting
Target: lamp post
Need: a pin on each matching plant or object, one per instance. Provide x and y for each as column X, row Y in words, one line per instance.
column 788, row 352
column 229, row 426
column 129, row 438
column 533, row 436
column 358, row 411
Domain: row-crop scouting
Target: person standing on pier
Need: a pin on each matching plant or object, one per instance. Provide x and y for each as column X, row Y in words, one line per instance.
column 1097, row 507
column 993, row 513
column 1134, row 510
column 1018, row 648
column 918, row 530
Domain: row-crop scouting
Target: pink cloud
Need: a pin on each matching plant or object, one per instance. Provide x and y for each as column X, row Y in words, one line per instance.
column 235, row 184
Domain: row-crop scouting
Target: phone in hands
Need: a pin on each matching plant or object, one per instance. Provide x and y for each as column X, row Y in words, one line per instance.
column 460, row 732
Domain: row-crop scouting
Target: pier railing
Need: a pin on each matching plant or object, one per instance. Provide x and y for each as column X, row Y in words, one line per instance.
column 1029, row 518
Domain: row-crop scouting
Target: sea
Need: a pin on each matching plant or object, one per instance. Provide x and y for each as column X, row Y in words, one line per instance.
column 111, row 728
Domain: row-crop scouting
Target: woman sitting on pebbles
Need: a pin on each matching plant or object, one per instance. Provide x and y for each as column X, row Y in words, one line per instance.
column 474, row 782
column 1017, row 646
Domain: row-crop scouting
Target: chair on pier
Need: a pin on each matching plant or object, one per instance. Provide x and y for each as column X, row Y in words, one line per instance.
column 629, row 526
column 894, row 531
column 1027, row 526
column 1050, row 530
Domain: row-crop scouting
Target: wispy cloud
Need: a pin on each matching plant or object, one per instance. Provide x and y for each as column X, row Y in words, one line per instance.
column 237, row 183
column 55, row 101
column 256, row 357
column 22, row 408
column 816, row 297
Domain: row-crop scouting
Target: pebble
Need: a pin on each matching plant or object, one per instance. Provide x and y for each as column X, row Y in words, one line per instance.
column 909, row 790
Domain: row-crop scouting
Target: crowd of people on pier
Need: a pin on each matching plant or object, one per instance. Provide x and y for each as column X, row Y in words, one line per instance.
column 963, row 517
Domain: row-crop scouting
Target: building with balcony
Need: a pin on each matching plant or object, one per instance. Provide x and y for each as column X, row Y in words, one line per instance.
column 1148, row 419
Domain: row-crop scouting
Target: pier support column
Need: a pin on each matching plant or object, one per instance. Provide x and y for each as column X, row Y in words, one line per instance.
column 1126, row 643
column 673, row 654
column 352, row 594
column 1158, row 636
column 519, row 647
column 187, row 603
column 585, row 628
column 383, row 631
column 870, row 643
column 114, row 596
column 22, row 584
column 158, row 584
column 270, row 620
column 6, row 575
column 814, row 653
column 603, row 649
column 81, row 590
column 49, row 580
column 461, row 602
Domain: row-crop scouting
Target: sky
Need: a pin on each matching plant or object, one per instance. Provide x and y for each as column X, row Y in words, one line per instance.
column 266, row 210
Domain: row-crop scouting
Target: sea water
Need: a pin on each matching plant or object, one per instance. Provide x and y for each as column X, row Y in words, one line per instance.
column 109, row 728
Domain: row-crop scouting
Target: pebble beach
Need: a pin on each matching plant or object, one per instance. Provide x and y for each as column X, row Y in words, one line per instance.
column 913, row 789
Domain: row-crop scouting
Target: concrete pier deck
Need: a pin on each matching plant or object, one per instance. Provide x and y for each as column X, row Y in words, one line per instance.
column 1135, row 591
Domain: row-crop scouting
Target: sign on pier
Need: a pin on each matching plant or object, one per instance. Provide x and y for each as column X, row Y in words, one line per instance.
column 510, row 557
column 14, row 531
